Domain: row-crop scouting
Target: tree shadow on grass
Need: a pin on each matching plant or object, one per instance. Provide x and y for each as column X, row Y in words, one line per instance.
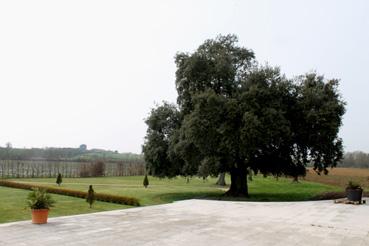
column 266, row 197
column 219, row 196
column 178, row 196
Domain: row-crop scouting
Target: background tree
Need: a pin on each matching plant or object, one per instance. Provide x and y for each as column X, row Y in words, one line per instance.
column 237, row 117
column 217, row 65
column 163, row 122
column 98, row 169
column 90, row 199
column 8, row 145
column 59, row 179
column 358, row 159
column 83, row 147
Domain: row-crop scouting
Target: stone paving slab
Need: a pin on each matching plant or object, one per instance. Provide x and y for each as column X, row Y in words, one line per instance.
column 203, row 222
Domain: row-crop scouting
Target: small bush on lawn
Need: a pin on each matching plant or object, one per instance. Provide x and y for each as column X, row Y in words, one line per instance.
column 90, row 196
column 146, row 181
column 132, row 201
column 59, row 179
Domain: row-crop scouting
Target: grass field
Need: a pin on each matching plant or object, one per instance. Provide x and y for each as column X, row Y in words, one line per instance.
column 168, row 190
column 13, row 205
column 341, row 176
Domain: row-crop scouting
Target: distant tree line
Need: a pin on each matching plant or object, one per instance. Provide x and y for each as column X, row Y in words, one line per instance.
column 75, row 154
column 356, row 159
column 69, row 169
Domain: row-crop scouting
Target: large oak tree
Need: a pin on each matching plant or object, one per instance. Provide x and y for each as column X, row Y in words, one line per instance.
column 233, row 115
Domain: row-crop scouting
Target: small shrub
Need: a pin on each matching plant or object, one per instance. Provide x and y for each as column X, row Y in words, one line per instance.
column 146, row 181
column 90, row 198
column 353, row 185
column 39, row 199
column 59, row 179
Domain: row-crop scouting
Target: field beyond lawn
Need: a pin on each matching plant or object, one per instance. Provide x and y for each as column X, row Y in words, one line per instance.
column 341, row 176
column 159, row 191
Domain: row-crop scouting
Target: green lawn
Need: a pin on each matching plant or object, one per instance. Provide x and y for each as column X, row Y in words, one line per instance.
column 169, row 190
column 159, row 191
column 13, row 205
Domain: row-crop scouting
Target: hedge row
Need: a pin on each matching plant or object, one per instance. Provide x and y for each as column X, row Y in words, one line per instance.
column 132, row 201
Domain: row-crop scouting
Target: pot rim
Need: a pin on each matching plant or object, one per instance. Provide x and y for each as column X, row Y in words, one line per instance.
column 40, row 209
column 354, row 189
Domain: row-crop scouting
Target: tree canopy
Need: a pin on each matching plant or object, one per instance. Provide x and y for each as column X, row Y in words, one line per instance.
column 233, row 115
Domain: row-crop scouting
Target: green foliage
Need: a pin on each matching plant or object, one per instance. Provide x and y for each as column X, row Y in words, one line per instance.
column 162, row 123
column 161, row 191
column 12, row 205
column 39, row 199
column 234, row 116
column 217, row 65
column 59, row 179
column 146, row 181
column 132, row 201
column 90, row 198
column 353, row 185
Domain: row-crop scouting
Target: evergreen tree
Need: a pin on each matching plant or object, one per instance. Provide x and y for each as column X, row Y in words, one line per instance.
column 59, row 179
column 90, row 196
column 234, row 116
column 146, row 181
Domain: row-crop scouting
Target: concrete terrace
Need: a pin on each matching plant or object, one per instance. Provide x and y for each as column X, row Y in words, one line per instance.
column 203, row 222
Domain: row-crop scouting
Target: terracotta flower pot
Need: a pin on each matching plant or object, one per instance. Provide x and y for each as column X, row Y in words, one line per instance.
column 39, row 216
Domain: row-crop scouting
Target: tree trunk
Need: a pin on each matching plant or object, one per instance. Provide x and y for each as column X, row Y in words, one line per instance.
column 221, row 180
column 238, row 183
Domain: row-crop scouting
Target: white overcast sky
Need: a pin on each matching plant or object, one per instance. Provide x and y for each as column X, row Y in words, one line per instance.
column 74, row 72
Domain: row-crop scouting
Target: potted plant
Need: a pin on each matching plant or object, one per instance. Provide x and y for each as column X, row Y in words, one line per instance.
column 40, row 202
column 354, row 192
